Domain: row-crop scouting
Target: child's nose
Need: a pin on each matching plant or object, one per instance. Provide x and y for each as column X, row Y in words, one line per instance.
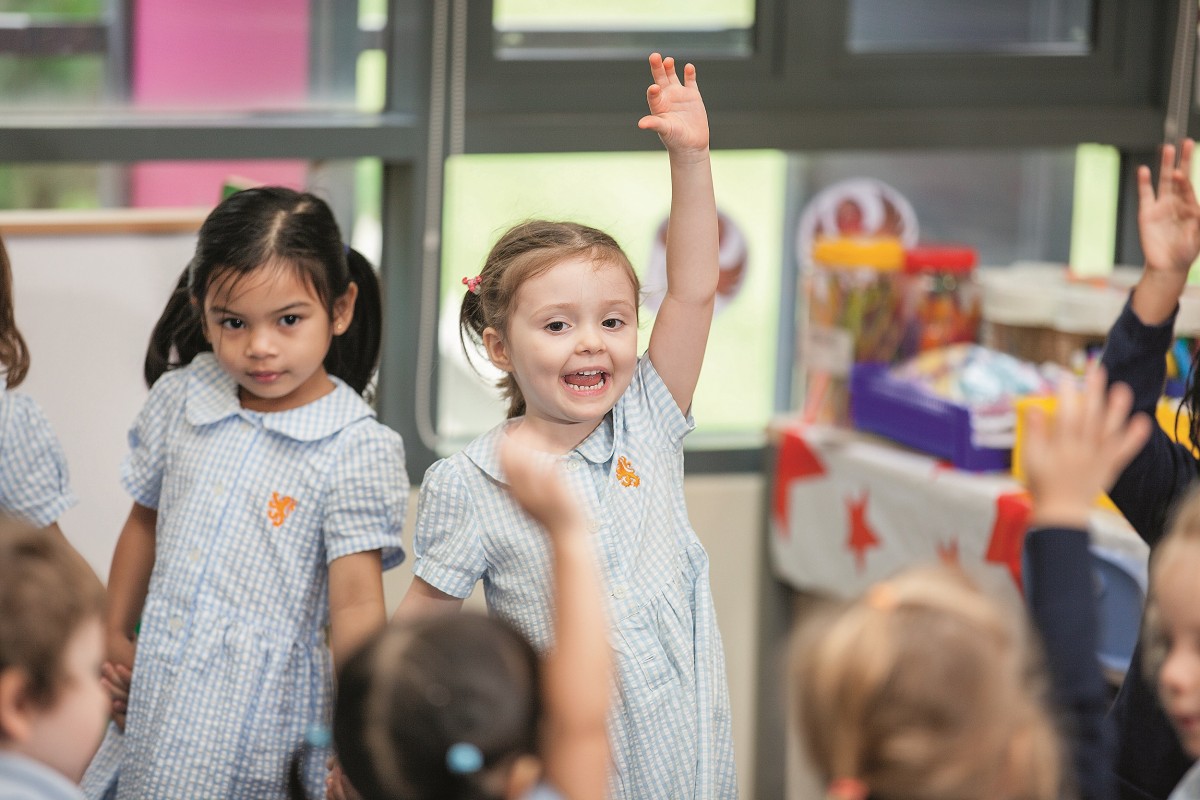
column 590, row 340
column 259, row 343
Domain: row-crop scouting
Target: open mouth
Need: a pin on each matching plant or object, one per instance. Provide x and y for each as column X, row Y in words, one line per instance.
column 586, row 382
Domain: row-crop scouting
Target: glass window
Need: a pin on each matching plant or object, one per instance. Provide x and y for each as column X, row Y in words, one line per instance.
column 627, row 195
column 220, row 55
column 1061, row 27
column 616, row 28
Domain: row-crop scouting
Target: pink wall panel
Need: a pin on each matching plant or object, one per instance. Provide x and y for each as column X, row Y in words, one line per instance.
column 221, row 55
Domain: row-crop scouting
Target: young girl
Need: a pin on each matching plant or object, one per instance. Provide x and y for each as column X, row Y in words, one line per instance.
column 1150, row 760
column 267, row 500
column 555, row 307
column 33, row 469
column 458, row 707
column 923, row 689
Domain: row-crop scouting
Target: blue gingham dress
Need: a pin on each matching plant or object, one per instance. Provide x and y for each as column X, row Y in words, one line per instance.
column 34, row 484
column 670, row 726
column 232, row 667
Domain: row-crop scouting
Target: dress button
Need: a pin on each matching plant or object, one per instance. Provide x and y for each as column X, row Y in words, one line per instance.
column 218, row 489
column 572, row 465
column 194, row 556
column 594, row 525
column 176, row 624
column 619, row 591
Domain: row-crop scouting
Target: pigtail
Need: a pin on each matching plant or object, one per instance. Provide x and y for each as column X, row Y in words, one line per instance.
column 14, row 355
column 177, row 337
column 354, row 355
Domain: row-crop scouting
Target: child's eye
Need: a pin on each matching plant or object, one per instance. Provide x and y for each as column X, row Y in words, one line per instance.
column 289, row 319
column 556, row 327
column 613, row 323
column 232, row 323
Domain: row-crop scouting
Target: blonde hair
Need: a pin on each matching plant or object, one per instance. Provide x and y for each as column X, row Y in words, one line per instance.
column 1182, row 535
column 925, row 689
column 526, row 251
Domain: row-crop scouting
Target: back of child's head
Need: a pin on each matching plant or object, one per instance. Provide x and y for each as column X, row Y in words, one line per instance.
column 924, row 689
column 272, row 226
column 437, row 709
column 47, row 591
column 14, row 356
column 526, row 251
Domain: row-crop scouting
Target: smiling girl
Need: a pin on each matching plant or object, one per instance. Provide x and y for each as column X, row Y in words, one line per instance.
column 555, row 308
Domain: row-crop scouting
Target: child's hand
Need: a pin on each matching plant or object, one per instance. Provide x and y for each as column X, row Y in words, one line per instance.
column 117, row 674
column 336, row 785
column 536, row 485
column 1169, row 221
column 677, row 112
column 1078, row 455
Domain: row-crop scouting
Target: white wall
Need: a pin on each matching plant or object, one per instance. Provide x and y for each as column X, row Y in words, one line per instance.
column 85, row 304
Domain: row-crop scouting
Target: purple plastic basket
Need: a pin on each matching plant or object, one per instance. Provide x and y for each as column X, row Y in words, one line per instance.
column 885, row 405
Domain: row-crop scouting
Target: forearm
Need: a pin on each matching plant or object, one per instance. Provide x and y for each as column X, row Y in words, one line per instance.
column 578, row 671
column 1157, row 294
column 356, row 608
column 692, row 234
column 129, row 576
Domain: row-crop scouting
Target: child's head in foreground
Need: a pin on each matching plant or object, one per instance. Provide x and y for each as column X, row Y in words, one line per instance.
column 441, row 708
column 541, row 281
column 924, row 689
column 52, row 706
column 1172, row 629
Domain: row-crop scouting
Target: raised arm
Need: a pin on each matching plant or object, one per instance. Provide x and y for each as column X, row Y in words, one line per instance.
column 1068, row 464
column 681, row 328
column 128, row 582
column 1169, row 226
column 578, row 671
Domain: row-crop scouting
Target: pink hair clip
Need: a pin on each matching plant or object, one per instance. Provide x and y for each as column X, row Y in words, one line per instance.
column 847, row 789
column 472, row 284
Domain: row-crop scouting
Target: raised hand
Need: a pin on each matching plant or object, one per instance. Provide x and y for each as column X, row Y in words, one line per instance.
column 677, row 112
column 537, row 487
column 1169, row 218
column 1074, row 457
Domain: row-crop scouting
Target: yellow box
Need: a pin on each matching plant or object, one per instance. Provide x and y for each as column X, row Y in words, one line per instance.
column 1177, row 426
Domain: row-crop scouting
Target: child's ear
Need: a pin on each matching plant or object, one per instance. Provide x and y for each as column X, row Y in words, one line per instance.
column 497, row 350
column 343, row 309
column 15, row 717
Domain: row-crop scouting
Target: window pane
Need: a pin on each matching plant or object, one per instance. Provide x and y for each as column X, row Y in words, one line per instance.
column 616, row 28
column 965, row 26
column 627, row 195
column 219, row 55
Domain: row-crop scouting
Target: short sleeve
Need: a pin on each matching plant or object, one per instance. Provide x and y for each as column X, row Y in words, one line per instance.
column 449, row 554
column 34, row 482
column 648, row 399
column 142, row 469
column 367, row 497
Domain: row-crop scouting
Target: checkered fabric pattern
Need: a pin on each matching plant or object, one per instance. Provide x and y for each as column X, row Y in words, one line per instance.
column 34, row 483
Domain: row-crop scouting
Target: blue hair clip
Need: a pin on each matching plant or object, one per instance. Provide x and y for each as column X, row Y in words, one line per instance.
column 318, row 736
column 464, row 758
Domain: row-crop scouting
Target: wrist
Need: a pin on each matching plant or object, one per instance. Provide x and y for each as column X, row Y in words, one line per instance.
column 1156, row 295
column 689, row 157
column 1060, row 514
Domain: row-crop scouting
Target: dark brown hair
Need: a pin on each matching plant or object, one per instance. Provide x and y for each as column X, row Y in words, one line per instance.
column 13, row 353
column 47, row 591
column 526, row 251
column 273, row 225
